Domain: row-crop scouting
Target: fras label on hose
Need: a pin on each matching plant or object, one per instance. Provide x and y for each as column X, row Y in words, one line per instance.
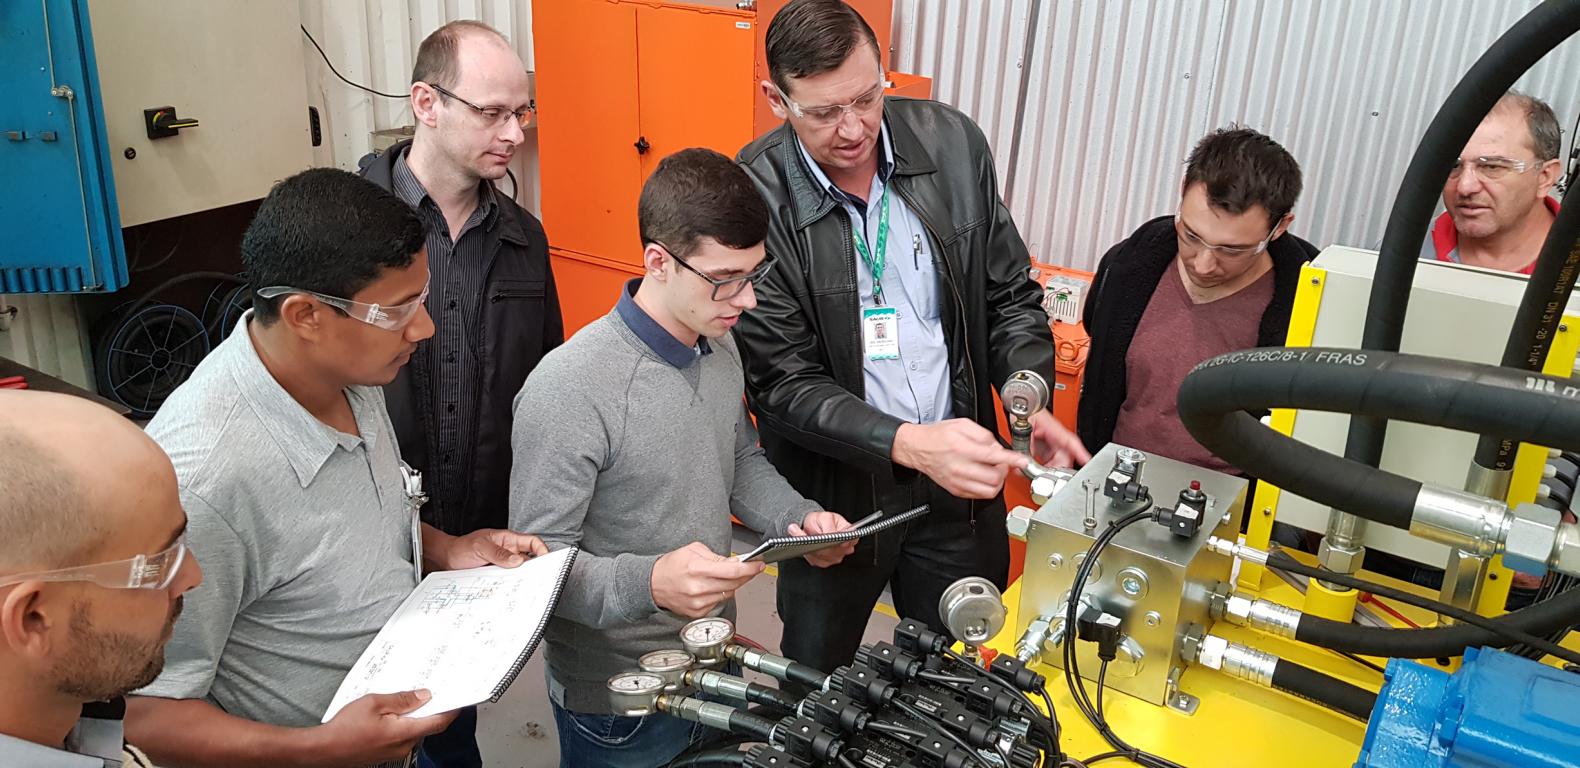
column 1332, row 357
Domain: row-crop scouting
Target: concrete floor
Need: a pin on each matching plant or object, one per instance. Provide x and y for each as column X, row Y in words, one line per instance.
column 518, row 732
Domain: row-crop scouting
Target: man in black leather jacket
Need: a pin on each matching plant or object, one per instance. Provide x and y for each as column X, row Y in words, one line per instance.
column 885, row 217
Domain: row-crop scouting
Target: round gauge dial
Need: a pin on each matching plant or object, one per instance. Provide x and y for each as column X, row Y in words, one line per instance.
column 1025, row 394
column 706, row 639
column 671, row 665
column 634, row 694
column 665, row 661
column 636, row 682
column 708, row 631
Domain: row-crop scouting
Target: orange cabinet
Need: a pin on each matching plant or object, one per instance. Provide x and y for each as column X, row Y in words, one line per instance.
column 620, row 85
column 623, row 83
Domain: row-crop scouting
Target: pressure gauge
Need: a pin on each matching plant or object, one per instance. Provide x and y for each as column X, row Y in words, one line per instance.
column 669, row 664
column 706, row 639
column 1024, row 393
column 635, row 694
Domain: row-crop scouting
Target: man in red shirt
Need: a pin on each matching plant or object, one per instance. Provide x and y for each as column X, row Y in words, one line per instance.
column 1499, row 211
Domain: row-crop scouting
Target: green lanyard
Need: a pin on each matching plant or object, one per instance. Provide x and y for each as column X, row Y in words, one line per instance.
column 882, row 259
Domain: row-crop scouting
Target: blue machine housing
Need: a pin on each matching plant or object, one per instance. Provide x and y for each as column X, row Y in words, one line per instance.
column 57, row 189
column 1497, row 710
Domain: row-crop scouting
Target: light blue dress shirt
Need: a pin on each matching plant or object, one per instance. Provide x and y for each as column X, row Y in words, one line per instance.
column 914, row 386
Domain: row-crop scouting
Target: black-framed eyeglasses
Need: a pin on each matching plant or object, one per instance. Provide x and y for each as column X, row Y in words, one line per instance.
column 728, row 288
column 494, row 115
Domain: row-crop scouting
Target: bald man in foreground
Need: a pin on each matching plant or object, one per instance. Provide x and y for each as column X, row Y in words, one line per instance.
column 93, row 563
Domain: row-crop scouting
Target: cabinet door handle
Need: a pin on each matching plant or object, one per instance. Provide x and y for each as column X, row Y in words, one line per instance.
column 641, row 145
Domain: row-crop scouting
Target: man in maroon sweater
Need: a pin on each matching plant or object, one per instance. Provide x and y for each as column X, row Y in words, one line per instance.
column 1217, row 276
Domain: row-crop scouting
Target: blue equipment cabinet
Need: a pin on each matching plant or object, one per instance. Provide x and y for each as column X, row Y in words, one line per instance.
column 58, row 212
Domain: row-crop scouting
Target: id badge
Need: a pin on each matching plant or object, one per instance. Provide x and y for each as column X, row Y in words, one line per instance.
column 880, row 332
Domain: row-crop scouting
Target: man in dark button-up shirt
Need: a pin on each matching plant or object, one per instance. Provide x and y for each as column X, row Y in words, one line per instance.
column 492, row 297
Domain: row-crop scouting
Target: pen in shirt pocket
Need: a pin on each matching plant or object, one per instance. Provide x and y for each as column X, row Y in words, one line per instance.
column 916, row 251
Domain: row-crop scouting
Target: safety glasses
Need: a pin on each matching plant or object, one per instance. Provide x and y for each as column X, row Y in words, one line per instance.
column 393, row 318
column 154, row 571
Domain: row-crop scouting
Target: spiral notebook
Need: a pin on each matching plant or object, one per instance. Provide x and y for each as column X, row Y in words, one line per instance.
column 463, row 635
column 773, row 550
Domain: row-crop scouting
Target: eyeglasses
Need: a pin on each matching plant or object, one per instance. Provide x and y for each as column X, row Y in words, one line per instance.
column 1489, row 168
column 389, row 318
column 728, row 288
column 831, row 114
column 154, row 571
column 1195, row 243
column 494, row 115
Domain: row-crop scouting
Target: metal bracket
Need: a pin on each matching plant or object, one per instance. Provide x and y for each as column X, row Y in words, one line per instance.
column 1178, row 700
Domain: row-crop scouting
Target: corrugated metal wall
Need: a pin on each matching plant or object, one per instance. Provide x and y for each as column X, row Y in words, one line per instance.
column 1119, row 91
column 45, row 332
column 1116, row 94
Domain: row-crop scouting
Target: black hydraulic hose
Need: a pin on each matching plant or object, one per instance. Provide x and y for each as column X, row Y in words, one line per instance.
column 1471, row 397
column 714, row 757
column 1546, row 296
column 1330, row 692
column 773, row 697
column 1535, row 619
column 1499, row 629
column 748, row 724
column 801, row 674
column 1531, row 38
column 1425, row 643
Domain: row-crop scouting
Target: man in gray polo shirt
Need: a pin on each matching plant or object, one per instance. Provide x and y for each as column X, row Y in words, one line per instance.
column 292, row 481
column 650, row 451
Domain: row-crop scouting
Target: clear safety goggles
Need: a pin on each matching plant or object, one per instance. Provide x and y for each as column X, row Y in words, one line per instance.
column 392, row 318
column 154, row 571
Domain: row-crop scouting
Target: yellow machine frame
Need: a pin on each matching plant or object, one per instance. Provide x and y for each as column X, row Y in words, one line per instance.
column 1241, row 724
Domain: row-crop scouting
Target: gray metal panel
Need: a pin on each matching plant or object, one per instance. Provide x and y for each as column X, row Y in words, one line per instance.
column 1177, row 573
column 1121, row 89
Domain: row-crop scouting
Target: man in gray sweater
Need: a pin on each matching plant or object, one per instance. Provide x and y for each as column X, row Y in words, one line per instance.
column 632, row 442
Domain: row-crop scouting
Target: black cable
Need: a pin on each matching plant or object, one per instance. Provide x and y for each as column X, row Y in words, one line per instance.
column 1048, row 724
column 942, row 679
column 1572, row 173
column 1102, row 682
column 1323, row 632
column 895, row 729
column 140, row 268
column 1095, row 759
column 1358, row 660
column 846, row 763
column 343, row 79
column 1072, row 671
column 715, row 757
column 941, row 729
column 1326, row 690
